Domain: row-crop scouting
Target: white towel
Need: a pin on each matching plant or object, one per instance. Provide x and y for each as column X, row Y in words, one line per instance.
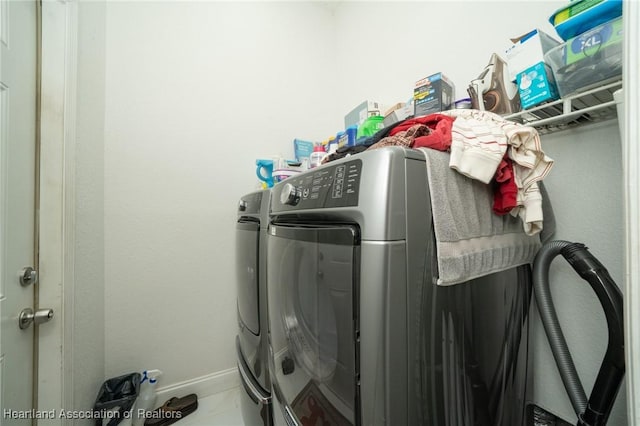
column 471, row 240
column 479, row 142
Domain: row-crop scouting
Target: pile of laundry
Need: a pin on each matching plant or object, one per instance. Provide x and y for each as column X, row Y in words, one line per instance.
column 483, row 146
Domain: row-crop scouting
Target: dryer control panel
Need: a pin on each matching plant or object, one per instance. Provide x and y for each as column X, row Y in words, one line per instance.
column 327, row 186
column 250, row 203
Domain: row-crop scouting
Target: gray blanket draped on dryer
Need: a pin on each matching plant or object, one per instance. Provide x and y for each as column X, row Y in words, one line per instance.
column 471, row 240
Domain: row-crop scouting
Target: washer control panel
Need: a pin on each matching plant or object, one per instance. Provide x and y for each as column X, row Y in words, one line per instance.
column 327, row 186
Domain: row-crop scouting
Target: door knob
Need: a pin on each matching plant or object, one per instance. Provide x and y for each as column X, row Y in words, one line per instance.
column 28, row 276
column 27, row 316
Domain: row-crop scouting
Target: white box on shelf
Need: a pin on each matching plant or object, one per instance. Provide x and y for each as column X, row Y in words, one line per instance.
column 528, row 50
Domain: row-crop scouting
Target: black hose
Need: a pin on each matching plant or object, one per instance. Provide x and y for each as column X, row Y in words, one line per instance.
column 549, row 318
column 595, row 411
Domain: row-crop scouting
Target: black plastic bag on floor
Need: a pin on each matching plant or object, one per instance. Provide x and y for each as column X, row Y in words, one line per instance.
column 116, row 398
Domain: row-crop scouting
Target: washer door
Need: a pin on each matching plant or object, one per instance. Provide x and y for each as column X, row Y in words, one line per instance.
column 312, row 279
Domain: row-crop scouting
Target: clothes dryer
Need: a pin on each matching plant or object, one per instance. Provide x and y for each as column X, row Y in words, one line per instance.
column 251, row 340
column 360, row 334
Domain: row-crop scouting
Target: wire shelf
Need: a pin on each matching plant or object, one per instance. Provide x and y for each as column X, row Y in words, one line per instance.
column 589, row 106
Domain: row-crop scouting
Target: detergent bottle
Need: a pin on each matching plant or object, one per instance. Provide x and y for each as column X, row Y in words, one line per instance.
column 146, row 400
column 316, row 157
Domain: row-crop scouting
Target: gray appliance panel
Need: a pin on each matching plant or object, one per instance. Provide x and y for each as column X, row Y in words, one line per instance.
column 247, row 271
column 434, row 355
column 253, row 216
column 255, row 403
column 472, row 353
column 332, row 185
column 380, row 193
column 383, row 333
column 426, row 354
column 252, row 204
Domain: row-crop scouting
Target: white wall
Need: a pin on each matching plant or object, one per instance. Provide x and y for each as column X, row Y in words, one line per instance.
column 586, row 191
column 385, row 47
column 194, row 92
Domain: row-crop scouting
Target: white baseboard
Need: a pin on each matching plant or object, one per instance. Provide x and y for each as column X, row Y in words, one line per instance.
column 202, row 386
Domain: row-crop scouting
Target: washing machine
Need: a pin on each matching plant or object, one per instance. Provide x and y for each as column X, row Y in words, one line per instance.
column 251, row 340
column 360, row 334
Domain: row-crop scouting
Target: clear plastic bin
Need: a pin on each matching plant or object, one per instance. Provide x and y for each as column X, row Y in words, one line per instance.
column 589, row 59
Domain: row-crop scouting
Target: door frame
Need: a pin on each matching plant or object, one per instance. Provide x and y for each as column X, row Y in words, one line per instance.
column 631, row 194
column 55, row 381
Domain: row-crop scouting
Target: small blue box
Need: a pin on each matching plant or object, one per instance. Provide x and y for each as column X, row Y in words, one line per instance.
column 348, row 137
column 351, row 132
column 536, row 85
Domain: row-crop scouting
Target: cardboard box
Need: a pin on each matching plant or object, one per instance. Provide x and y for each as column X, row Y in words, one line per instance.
column 398, row 115
column 393, row 108
column 360, row 113
column 536, row 85
column 302, row 149
column 528, row 50
column 432, row 94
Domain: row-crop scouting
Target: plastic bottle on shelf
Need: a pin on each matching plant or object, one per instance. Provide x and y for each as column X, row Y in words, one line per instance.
column 146, row 400
column 316, row 157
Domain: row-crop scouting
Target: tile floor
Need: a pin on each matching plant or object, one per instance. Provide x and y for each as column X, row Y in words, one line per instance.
column 221, row 409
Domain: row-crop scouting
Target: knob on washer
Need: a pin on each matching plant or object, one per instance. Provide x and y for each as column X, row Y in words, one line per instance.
column 290, row 195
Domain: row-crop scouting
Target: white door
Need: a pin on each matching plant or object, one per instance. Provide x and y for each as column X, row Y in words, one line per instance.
column 17, row 177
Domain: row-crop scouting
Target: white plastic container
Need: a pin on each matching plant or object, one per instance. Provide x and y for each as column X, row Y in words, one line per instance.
column 146, row 400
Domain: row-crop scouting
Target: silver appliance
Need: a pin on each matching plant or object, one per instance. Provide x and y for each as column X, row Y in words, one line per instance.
column 359, row 333
column 251, row 340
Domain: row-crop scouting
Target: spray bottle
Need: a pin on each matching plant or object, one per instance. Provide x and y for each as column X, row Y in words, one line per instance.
column 146, row 400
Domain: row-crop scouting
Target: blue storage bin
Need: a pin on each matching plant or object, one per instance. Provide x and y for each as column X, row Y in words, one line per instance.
column 582, row 15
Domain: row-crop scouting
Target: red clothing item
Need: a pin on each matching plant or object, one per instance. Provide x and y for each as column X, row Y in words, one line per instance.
column 406, row 138
column 505, row 193
column 440, row 136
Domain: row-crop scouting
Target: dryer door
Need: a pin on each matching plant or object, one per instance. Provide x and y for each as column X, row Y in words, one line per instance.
column 247, row 251
column 313, row 284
